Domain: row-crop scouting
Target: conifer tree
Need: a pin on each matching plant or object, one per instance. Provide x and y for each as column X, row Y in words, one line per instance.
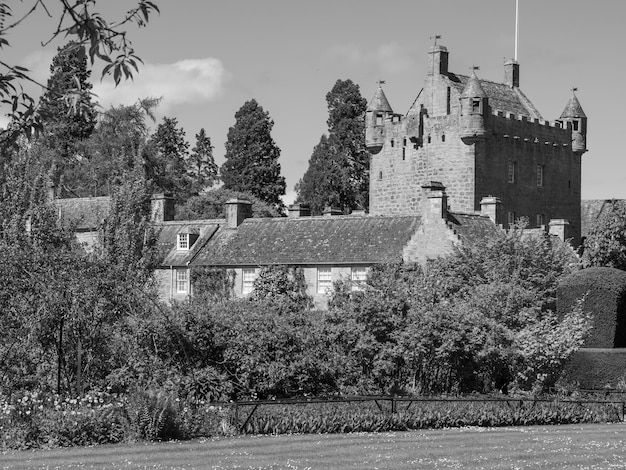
column 252, row 156
column 338, row 169
column 202, row 167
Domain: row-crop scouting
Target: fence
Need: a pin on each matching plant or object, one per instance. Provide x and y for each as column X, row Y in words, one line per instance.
column 394, row 404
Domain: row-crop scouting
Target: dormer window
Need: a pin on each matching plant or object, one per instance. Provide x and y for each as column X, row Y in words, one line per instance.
column 183, row 241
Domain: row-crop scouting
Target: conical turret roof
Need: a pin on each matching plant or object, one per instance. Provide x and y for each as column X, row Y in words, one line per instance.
column 573, row 109
column 379, row 102
column 473, row 88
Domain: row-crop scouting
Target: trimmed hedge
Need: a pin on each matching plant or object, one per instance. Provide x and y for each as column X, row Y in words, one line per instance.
column 592, row 368
column 604, row 290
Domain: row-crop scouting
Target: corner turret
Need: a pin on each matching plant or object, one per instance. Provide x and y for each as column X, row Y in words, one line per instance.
column 574, row 115
column 474, row 104
column 377, row 112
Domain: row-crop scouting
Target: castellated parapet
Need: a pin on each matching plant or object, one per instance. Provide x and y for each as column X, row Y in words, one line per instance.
column 480, row 139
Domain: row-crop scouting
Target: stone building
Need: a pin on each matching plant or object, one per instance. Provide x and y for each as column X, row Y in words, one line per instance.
column 481, row 139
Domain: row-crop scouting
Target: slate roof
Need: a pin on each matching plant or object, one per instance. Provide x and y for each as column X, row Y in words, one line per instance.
column 168, row 239
column 86, row 212
column 379, row 102
column 501, row 96
column 573, row 109
column 310, row 240
column 472, row 227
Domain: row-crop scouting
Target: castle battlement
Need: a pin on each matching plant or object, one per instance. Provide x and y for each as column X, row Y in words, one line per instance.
column 518, row 127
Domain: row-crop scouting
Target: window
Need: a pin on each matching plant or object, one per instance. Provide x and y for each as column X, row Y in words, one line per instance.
column 539, row 175
column 324, row 280
column 182, row 281
column 476, row 105
column 443, row 137
column 511, row 218
column 429, row 139
column 575, row 125
column 540, row 220
column 183, row 241
column 358, row 277
column 392, row 143
column 512, row 168
column 448, row 101
column 403, row 153
column 380, row 175
column 248, row 276
column 379, row 119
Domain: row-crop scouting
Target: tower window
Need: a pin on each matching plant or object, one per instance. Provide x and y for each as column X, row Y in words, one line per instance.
column 575, row 125
column 443, row 137
column 540, row 220
column 448, row 101
column 379, row 119
column 429, row 139
column 539, row 175
column 511, row 218
column 380, row 175
column 476, row 105
column 512, row 171
column 392, row 142
column 403, row 153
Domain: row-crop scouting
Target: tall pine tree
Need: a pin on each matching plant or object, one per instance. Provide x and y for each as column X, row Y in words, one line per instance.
column 202, row 167
column 252, row 156
column 338, row 168
column 68, row 116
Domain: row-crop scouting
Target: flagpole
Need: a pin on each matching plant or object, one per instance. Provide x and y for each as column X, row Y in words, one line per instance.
column 516, row 25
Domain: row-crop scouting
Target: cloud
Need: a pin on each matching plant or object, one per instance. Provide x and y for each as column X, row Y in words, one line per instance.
column 390, row 57
column 183, row 82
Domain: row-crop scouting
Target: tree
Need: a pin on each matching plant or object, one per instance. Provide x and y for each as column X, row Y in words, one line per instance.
column 69, row 118
column 202, row 167
column 605, row 244
column 252, row 156
column 210, row 205
column 93, row 35
column 166, row 159
column 338, row 169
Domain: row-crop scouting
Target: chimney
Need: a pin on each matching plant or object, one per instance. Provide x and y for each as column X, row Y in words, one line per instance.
column 511, row 73
column 560, row 228
column 162, row 207
column 237, row 210
column 492, row 207
column 299, row 210
column 330, row 211
column 438, row 60
column 435, row 200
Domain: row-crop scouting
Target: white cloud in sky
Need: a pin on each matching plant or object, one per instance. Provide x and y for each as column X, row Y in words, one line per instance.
column 184, row 82
column 391, row 57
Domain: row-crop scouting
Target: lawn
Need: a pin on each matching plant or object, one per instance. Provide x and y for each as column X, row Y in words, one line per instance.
column 588, row 446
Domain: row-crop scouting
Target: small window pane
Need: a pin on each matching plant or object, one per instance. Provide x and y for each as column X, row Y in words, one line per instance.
column 324, row 280
column 182, row 281
column 248, row 276
column 183, row 241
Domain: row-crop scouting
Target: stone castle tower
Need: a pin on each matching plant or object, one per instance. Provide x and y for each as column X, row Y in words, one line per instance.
column 486, row 142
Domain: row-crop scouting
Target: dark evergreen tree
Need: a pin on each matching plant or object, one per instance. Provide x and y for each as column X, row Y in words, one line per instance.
column 69, row 116
column 252, row 156
column 338, row 169
column 202, row 167
column 166, row 159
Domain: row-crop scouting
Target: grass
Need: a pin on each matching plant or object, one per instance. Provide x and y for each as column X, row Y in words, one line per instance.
column 588, row 446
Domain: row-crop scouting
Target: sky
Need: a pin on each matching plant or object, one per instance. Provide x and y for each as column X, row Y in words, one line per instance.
column 206, row 58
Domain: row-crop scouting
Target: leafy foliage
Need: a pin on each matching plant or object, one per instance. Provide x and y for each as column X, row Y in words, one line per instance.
column 93, row 35
column 605, row 244
column 252, row 156
column 338, row 168
column 210, row 205
column 281, row 283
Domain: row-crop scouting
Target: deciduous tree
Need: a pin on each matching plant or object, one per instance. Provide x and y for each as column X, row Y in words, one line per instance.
column 605, row 244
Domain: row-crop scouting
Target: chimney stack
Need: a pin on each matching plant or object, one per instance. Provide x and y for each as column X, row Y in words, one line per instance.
column 162, row 207
column 492, row 207
column 299, row 210
column 436, row 200
column 237, row 210
column 511, row 73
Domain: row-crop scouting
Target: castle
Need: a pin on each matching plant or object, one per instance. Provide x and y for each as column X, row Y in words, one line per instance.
column 486, row 143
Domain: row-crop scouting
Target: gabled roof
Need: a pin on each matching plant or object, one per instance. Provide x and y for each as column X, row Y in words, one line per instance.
column 86, row 212
column 168, row 239
column 379, row 102
column 310, row 240
column 501, row 96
